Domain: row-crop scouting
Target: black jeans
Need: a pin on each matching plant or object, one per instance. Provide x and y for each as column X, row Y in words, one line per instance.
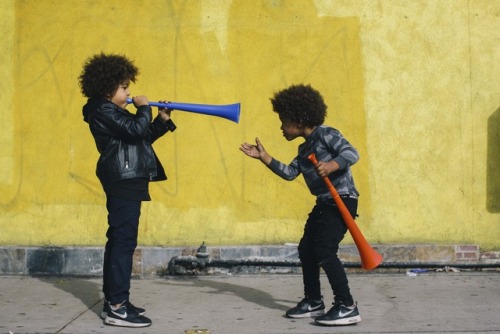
column 323, row 232
column 123, row 221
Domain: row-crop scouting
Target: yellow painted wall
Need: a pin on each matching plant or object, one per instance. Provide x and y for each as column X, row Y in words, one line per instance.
column 414, row 85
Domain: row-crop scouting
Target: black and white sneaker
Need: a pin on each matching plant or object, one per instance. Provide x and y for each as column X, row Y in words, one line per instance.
column 340, row 315
column 126, row 316
column 105, row 309
column 306, row 308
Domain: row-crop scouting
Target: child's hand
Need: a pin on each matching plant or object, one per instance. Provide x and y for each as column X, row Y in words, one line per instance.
column 140, row 101
column 256, row 151
column 325, row 168
column 164, row 113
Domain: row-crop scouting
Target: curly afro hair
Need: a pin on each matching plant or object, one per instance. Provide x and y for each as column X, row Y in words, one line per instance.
column 103, row 73
column 300, row 104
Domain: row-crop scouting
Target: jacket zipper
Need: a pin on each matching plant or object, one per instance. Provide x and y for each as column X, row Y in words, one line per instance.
column 126, row 156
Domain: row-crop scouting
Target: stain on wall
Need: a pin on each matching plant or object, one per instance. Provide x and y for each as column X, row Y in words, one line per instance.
column 493, row 171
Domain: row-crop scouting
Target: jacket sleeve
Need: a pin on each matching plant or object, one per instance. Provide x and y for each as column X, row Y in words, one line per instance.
column 287, row 172
column 333, row 146
column 342, row 151
column 121, row 124
column 158, row 128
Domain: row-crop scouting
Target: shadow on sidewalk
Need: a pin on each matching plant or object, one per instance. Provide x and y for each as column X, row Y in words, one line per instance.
column 88, row 292
column 246, row 293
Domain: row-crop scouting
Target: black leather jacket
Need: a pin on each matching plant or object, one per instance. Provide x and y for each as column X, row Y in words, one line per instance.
column 124, row 141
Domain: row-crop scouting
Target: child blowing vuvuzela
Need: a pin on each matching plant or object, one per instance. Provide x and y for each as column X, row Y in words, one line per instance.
column 126, row 165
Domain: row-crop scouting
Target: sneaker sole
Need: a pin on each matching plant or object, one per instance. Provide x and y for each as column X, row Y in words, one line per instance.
column 340, row 322
column 306, row 315
column 123, row 323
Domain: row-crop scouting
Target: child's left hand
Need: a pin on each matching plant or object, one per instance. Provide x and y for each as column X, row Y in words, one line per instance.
column 164, row 113
column 325, row 168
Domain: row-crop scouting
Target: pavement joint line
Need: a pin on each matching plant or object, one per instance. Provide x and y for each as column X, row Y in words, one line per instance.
column 78, row 316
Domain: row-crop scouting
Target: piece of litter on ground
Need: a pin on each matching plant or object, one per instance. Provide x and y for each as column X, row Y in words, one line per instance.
column 416, row 271
column 448, row 269
column 419, row 271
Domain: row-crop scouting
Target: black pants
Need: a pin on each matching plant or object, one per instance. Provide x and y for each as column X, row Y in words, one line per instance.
column 323, row 232
column 123, row 221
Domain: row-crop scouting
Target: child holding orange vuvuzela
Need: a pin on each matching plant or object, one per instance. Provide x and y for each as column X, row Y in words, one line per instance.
column 302, row 112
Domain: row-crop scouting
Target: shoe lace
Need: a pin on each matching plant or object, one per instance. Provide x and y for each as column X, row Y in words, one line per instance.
column 337, row 305
column 130, row 308
column 308, row 301
column 334, row 309
column 303, row 302
column 129, row 305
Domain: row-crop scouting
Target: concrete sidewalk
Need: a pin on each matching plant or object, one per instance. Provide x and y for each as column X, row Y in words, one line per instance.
column 465, row 302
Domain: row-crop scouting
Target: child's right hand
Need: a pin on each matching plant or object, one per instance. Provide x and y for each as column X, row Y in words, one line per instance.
column 140, row 100
column 256, row 151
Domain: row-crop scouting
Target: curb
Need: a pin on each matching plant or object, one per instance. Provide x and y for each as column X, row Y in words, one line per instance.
column 160, row 261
